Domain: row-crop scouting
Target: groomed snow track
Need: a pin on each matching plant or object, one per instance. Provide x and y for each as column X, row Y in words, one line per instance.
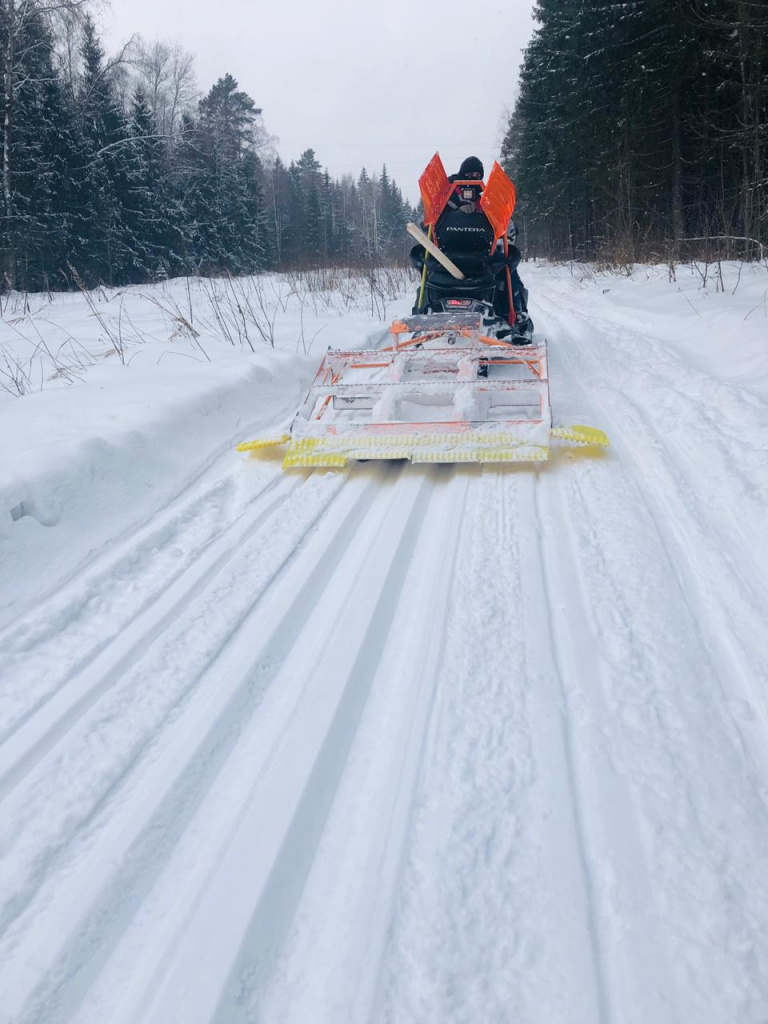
column 408, row 745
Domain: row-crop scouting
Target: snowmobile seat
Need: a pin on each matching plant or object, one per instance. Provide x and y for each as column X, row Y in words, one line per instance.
column 484, row 280
column 480, row 282
column 441, row 282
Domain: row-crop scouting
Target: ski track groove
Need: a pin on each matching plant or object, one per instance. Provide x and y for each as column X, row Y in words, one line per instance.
column 58, row 765
column 39, row 731
column 258, row 954
column 174, row 781
column 563, row 666
column 370, row 990
column 355, row 876
column 292, row 791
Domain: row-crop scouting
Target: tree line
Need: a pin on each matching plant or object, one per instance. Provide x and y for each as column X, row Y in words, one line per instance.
column 115, row 172
column 641, row 128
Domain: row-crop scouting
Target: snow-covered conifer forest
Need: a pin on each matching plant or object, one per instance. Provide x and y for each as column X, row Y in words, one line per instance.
column 115, row 169
column 641, row 129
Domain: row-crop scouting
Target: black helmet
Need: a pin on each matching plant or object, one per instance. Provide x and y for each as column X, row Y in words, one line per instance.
column 472, row 165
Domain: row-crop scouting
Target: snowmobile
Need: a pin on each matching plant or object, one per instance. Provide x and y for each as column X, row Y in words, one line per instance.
column 464, row 221
column 462, row 380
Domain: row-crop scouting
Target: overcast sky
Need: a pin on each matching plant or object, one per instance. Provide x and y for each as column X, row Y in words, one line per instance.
column 362, row 84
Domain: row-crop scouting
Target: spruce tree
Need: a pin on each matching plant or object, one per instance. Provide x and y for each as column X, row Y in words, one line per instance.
column 236, row 216
column 105, row 248
column 392, row 218
column 151, row 213
column 37, row 150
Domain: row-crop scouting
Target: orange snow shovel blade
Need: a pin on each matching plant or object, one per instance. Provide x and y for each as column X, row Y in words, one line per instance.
column 435, row 190
column 498, row 201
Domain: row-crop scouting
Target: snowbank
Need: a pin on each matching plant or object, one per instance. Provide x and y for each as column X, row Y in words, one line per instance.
column 82, row 465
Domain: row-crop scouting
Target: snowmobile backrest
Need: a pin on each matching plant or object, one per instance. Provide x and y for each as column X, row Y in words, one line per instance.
column 463, row 234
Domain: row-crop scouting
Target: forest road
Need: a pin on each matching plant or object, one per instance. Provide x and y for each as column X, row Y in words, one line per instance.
column 446, row 744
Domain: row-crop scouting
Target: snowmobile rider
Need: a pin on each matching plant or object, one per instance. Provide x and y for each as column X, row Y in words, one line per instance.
column 466, row 199
column 470, row 170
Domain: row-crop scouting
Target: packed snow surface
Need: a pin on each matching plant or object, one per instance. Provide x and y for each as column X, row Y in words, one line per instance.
column 457, row 745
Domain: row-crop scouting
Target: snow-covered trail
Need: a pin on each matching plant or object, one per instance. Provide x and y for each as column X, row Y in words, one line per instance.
column 411, row 745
